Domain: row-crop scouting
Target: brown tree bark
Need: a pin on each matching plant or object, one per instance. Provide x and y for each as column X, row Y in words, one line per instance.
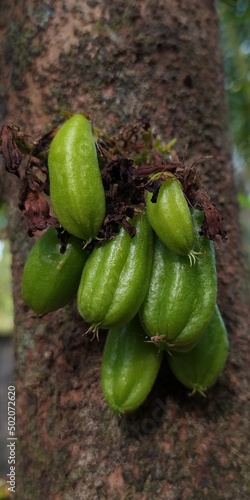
column 120, row 61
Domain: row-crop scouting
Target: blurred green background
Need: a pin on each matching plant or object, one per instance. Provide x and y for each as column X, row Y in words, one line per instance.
column 234, row 18
column 6, row 303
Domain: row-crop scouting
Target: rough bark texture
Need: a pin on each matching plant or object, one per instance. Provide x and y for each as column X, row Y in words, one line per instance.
column 118, row 61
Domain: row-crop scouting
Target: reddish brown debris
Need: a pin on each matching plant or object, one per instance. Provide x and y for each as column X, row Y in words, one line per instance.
column 36, row 210
column 212, row 224
column 42, row 144
column 198, row 198
column 10, row 151
column 154, row 187
column 124, row 181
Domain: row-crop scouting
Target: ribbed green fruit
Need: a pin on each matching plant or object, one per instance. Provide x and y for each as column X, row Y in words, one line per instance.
column 170, row 217
column 76, row 188
column 50, row 278
column 130, row 366
column 199, row 368
column 116, row 276
column 180, row 298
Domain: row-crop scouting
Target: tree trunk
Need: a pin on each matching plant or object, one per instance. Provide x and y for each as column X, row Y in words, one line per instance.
column 119, row 61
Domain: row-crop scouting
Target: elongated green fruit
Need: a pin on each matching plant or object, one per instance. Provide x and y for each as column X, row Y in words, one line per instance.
column 199, row 368
column 116, row 276
column 129, row 367
column 76, row 188
column 50, row 278
column 180, row 298
column 170, row 217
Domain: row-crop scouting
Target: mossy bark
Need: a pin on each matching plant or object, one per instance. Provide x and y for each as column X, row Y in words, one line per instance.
column 119, row 61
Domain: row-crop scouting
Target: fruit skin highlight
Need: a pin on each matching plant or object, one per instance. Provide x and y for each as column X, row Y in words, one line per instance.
column 170, row 216
column 199, row 368
column 50, row 278
column 76, row 188
column 116, row 276
column 130, row 366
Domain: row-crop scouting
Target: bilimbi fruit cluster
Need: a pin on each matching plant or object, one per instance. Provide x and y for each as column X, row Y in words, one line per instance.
column 153, row 288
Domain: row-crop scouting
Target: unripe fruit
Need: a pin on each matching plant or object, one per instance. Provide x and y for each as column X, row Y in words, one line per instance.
column 130, row 366
column 199, row 368
column 170, row 217
column 76, row 188
column 51, row 278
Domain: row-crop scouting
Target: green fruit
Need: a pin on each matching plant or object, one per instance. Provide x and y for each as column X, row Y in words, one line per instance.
column 199, row 368
column 170, row 217
column 180, row 298
column 76, row 188
column 130, row 366
column 116, row 276
column 50, row 278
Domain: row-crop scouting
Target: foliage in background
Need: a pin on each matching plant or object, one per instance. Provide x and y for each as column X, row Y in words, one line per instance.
column 234, row 16
column 235, row 36
column 6, row 303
